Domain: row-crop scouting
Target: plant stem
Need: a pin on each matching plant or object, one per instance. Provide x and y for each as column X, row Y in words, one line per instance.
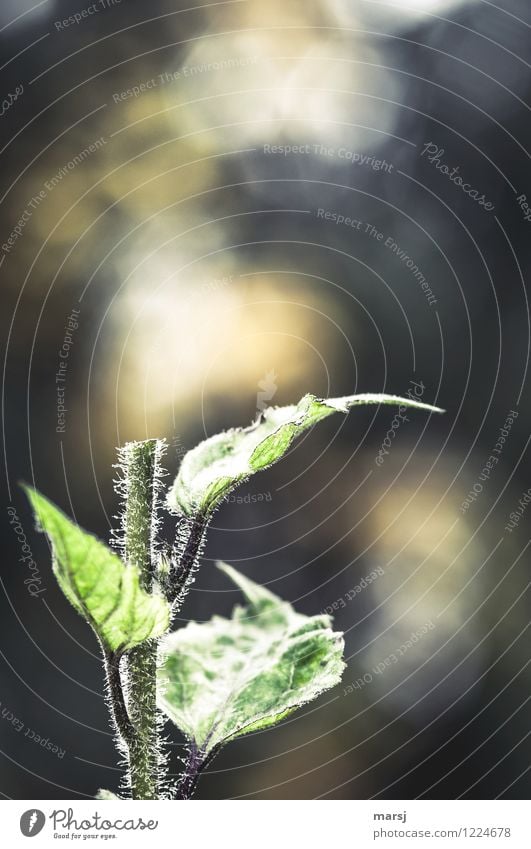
column 196, row 762
column 116, row 696
column 141, row 466
column 144, row 755
column 190, row 541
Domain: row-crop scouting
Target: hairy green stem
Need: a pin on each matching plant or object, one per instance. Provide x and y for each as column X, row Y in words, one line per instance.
column 144, row 747
column 140, row 464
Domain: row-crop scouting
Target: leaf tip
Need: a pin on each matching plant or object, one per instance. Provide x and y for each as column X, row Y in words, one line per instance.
column 35, row 499
column 255, row 594
column 107, row 796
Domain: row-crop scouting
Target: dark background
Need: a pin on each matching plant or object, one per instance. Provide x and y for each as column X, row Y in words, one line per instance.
column 203, row 272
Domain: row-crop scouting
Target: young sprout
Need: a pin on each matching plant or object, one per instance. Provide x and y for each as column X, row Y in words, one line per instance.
column 218, row 680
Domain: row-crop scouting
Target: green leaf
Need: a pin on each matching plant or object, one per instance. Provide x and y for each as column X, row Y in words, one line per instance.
column 227, row 677
column 98, row 584
column 211, row 470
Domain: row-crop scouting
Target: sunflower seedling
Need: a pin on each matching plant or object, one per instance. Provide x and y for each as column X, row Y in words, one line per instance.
column 218, row 680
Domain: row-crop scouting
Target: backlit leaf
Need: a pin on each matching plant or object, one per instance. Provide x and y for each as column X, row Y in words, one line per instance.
column 227, row 677
column 98, row 584
column 211, row 470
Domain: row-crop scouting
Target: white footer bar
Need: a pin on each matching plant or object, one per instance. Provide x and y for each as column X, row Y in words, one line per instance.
column 262, row 824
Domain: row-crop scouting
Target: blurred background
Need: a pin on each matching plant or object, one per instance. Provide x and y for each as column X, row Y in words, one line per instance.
column 211, row 208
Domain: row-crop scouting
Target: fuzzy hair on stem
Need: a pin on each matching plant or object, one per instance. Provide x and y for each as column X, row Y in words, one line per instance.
column 139, row 486
column 187, row 550
column 194, row 764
